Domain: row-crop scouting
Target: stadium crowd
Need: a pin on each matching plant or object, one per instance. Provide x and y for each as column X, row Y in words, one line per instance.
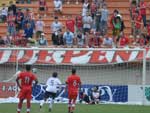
column 89, row 29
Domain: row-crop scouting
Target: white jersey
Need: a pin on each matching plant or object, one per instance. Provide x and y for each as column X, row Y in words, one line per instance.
column 53, row 84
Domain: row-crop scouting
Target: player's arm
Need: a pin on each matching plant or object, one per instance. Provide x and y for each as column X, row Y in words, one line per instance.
column 17, row 81
column 66, row 86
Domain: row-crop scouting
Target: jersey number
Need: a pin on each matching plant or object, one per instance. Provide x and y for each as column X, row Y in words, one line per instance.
column 74, row 83
column 27, row 80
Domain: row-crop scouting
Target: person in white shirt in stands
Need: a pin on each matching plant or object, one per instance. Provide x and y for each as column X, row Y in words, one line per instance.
column 107, row 42
column 53, row 86
column 39, row 27
column 85, row 7
column 58, row 6
column 87, row 22
column 56, row 26
column 3, row 13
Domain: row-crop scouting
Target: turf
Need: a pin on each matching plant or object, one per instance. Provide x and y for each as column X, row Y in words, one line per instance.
column 80, row 108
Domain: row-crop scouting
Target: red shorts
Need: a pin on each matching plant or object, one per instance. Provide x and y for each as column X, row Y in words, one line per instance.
column 72, row 96
column 25, row 93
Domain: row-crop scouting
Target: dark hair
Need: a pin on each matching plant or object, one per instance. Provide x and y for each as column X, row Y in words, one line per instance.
column 73, row 70
column 56, row 17
column 54, row 74
column 28, row 67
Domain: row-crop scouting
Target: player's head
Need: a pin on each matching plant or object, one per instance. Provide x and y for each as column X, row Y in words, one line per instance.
column 73, row 71
column 28, row 67
column 54, row 74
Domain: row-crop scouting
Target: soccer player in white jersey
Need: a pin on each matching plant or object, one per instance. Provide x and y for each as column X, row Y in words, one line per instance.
column 53, row 85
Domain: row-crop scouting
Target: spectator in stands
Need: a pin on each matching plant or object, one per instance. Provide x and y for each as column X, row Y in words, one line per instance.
column 94, row 40
column 7, row 39
column 142, row 8
column 57, row 38
column 70, row 24
column 98, row 18
column 11, row 18
column 28, row 14
column 19, row 19
column 12, row 7
column 79, row 23
column 3, row 13
column 107, row 42
column 42, row 40
column 93, row 8
column 137, row 23
column 74, row 1
column 80, row 39
column 28, row 31
column 27, row 1
column 85, row 7
column 43, row 7
column 87, row 22
column 112, row 20
column 58, row 6
column 123, row 40
column 140, row 41
column 117, row 26
column 39, row 27
column 104, row 19
column 148, row 31
column 55, row 27
column 68, row 38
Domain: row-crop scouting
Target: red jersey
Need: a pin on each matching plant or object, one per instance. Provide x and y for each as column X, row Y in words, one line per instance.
column 138, row 22
column 73, row 82
column 70, row 25
column 93, row 8
column 143, row 10
column 124, row 41
column 26, row 79
column 11, row 20
column 79, row 23
column 148, row 29
column 42, row 3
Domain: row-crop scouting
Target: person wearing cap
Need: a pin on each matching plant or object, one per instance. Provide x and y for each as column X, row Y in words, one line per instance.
column 53, row 85
column 42, row 40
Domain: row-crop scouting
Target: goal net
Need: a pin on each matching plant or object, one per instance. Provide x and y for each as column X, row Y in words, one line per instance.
column 119, row 74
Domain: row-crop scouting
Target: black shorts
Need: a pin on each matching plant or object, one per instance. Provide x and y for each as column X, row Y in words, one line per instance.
column 49, row 95
column 42, row 9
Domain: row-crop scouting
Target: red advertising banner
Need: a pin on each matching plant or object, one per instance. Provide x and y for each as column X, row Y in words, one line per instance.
column 7, row 90
column 70, row 56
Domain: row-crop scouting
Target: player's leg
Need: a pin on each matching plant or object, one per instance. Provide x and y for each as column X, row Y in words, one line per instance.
column 19, row 105
column 52, row 97
column 28, row 105
column 69, row 105
column 46, row 96
column 73, row 103
column 28, row 97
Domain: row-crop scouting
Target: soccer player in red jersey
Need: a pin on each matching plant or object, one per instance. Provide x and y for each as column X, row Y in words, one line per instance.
column 24, row 81
column 73, row 84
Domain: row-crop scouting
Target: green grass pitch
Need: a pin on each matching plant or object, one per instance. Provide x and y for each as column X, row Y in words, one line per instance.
column 80, row 108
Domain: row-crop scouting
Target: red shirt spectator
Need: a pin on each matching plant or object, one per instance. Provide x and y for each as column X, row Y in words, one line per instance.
column 70, row 24
column 143, row 8
column 124, row 41
column 11, row 20
column 79, row 23
column 148, row 29
column 138, row 21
